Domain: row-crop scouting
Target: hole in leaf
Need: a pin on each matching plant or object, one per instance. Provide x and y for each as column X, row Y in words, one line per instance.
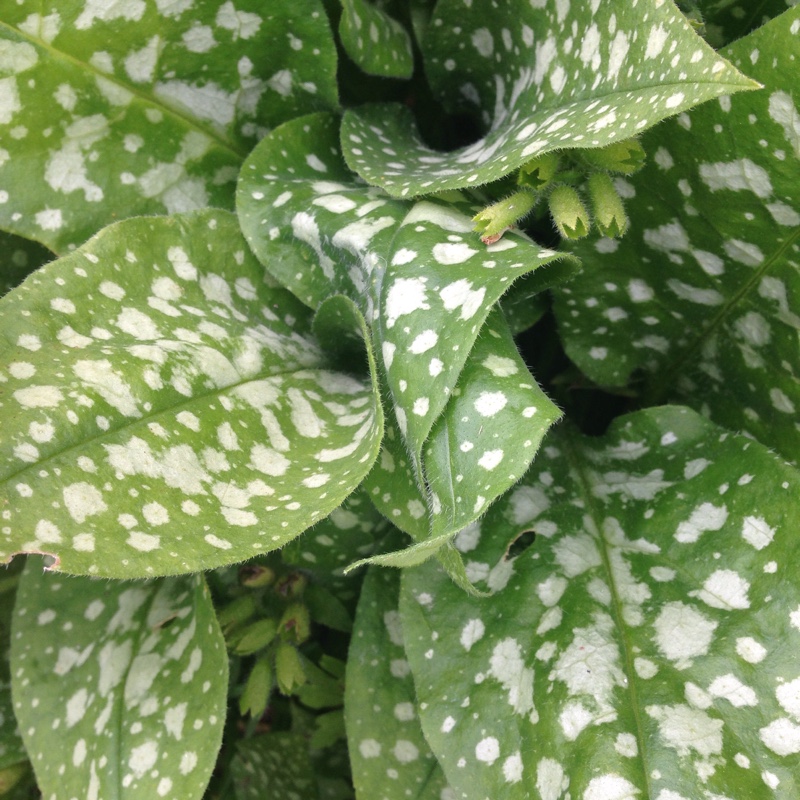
column 520, row 544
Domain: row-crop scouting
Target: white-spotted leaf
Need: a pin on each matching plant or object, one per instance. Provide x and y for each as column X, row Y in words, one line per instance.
column 644, row 645
column 170, row 410
column 150, row 107
column 702, row 295
column 389, row 754
column 273, row 765
column 120, row 687
column 376, row 42
column 426, row 286
column 540, row 76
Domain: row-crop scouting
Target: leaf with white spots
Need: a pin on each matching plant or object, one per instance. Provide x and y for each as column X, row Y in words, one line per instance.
column 644, row 645
column 389, row 755
column 273, row 765
column 376, row 42
column 539, row 76
column 170, row 410
column 701, row 295
column 112, row 108
column 426, row 286
column 120, row 688
column 18, row 258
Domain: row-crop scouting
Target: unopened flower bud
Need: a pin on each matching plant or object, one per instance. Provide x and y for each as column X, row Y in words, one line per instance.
column 569, row 213
column 538, row 173
column 609, row 211
column 624, row 157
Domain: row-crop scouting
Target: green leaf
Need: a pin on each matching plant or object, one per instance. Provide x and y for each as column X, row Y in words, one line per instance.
column 19, row 257
column 389, row 754
column 120, row 688
column 138, row 108
column 726, row 20
column 375, row 41
column 169, row 409
column 12, row 750
column 701, row 296
column 273, row 765
column 644, row 645
column 426, row 285
column 539, row 77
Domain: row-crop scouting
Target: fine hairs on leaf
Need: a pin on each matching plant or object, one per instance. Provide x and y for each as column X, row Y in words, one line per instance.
column 399, row 400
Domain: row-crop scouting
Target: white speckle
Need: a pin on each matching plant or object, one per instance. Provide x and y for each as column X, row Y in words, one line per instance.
column 610, row 787
column 487, row 750
column 626, row 745
column 421, row 406
column 706, row 517
column 315, row 163
column 459, row 294
column 448, row 253
column 756, row 532
column 685, row 728
column 513, row 768
column 39, row 397
column 550, row 779
column 483, row 42
column 472, row 632
column 369, row 748
column 500, row 366
column 750, row 650
column 423, row 342
column 782, row 737
column 222, row 544
column 683, row 633
column 83, row 500
column 404, row 297
column 733, row 690
column 508, row 667
column 490, row 459
column 725, row 589
column 490, row 403
column 144, row 542
column 405, row 752
column 736, row 176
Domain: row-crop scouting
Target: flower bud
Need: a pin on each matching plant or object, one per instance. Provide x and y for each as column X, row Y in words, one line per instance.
column 624, row 157
column 609, row 212
column 255, row 576
column 236, row 612
column 497, row 218
column 569, row 213
column 538, row 173
column 295, row 624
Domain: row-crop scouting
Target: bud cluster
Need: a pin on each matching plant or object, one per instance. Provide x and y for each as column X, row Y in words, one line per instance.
column 566, row 182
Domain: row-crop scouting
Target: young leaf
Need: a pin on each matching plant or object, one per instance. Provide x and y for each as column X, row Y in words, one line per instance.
column 134, row 705
column 701, row 294
column 427, row 287
column 273, row 765
column 389, row 754
column 540, row 77
column 133, row 108
column 169, row 410
column 375, row 41
column 643, row 645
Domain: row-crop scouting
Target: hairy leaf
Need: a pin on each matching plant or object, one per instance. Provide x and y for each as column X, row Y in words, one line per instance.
column 389, row 754
column 150, row 107
column 643, row 645
column 120, row 688
column 702, row 294
column 374, row 40
column 426, row 285
column 539, row 76
column 169, row 409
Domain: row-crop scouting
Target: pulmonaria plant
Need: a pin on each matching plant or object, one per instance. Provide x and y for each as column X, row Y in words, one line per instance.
column 287, row 341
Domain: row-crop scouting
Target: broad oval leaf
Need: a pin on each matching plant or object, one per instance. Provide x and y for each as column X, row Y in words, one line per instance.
column 389, row 754
column 150, row 107
column 120, row 688
column 168, row 409
column 540, row 76
column 702, row 294
column 377, row 42
column 644, row 645
column 426, row 286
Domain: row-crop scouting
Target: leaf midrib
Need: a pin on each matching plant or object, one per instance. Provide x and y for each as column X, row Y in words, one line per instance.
column 152, row 415
column 659, row 387
column 150, row 99
column 577, row 464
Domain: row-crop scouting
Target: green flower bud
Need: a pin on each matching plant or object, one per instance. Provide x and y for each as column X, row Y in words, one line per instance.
column 295, row 624
column 624, row 157
column 292, row 585
column 569, row 213
column 288, row 668
column 497, row 218
column 609, row 212
column 540, row 172
column 256, row 691
column 255, row 576
column 255, row 637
